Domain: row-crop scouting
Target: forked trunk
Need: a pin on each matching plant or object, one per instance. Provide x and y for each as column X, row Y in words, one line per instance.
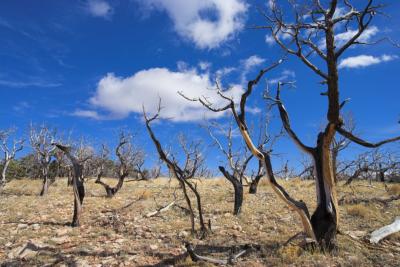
column 238, row 190
column 111, row 191
column 326, row 216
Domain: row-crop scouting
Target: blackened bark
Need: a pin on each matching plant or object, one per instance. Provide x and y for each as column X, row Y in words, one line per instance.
column 238, row 190
column 79, row 195
column 45, row 186
column 111, row 191
column 324, row 218
column 254, row 184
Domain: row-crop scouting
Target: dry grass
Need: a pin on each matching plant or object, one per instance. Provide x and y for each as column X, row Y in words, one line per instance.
column 112, row 235
column 394, row 189
column 359, row 210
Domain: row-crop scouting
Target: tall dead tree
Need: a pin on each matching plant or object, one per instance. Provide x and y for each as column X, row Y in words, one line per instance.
column 41, row 143
column 323, row 224
column 312, row 37
column 129, row 158
column 10, row 151
column 77, row 162
column 192, row 166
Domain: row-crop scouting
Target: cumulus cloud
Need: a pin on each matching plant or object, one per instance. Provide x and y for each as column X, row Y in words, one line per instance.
column 285, row 76
column 362, row 61
column 87, row 114
column 99, row 8
column 207, row 23
column 343, row 37
column 122, row 96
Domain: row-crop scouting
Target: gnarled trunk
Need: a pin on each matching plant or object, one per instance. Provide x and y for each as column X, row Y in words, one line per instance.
column 111, row 191
column 3, row 180
column 326, row 216
column 254, row 184
column 79, row 194
column 238, row 190
column 45, row 186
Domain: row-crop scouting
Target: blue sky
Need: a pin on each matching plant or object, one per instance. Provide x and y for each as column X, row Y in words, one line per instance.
column 90, row 65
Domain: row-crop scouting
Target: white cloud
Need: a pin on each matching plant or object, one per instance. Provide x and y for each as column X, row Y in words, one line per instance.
column 286, row 75
column 252, row 61
column 248, row 64
column 270, row 40
column 87, row 114
column 121, row 96
column 364, row 61
column 99, row 8
column 207, row 23
column 343, row 37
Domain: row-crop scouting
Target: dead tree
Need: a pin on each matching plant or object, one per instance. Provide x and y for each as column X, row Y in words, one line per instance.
column 77, row 180
column 237, row 162
column 193, row 164
column 312, row 24
column 41, row 139
column 9, row 151
column 129, row 157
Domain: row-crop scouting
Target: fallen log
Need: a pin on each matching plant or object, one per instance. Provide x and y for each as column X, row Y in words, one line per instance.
column 385, row 231
column 230, row 260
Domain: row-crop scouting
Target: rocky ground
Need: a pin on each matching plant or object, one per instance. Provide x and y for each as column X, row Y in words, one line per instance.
column 35, row 231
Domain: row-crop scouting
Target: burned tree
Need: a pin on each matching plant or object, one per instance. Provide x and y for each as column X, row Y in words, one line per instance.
column 77, row 162
column 41, row 139
column 237, row 162
column 192, row 166
column 9, row 151
column 323, row 224
column 129, row 158
column 313, row 23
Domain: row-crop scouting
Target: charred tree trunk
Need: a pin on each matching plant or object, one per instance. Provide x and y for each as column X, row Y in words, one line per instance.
column 325, row 218
column 254, row 184
column 79, row 194
column 77, row 185
column 238, row 189
column 111, row 191
column 45, row 186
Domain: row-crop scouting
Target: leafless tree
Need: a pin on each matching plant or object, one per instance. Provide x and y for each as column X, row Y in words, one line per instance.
column 41, row 142
column 238, row 161
column 311, row 24
column 78, row 157
column 130, row 158
column 323, row 224
column 192, row 166
column 10, row 151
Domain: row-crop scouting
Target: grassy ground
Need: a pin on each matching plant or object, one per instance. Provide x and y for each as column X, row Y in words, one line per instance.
column 111, row 235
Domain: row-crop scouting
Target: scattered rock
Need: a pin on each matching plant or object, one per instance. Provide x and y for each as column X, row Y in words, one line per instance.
column 153, row 247
column 237, row 228
column 35, row 226
column 183, row 234
column 22, row 226
column 63, row 231
column 27, row 251
column 60, row 240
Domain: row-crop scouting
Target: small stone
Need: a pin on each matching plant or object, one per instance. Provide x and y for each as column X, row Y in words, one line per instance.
column 22, row 226
column 237, row 228
column 35, row 226
column 153, row 247
column 183, row 234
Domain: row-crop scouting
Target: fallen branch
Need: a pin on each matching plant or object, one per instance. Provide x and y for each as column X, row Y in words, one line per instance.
column 231, row 260
column 385, row 231
column 162, row 209
column 383, row 201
